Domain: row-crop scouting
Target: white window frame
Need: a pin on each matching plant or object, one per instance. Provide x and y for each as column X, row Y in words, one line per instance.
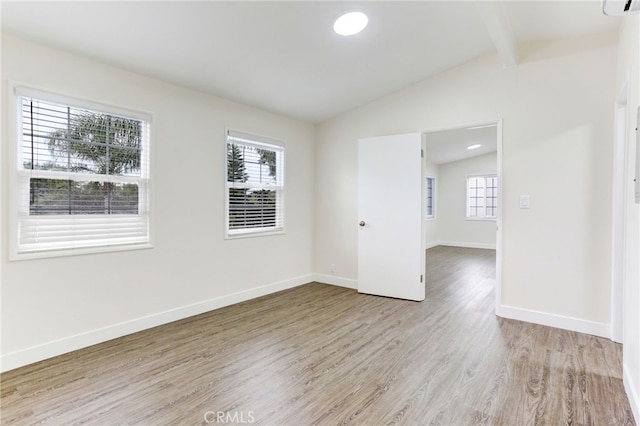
column 431, row 216
column 20, row 183
column 484, row 215
column 250, row 140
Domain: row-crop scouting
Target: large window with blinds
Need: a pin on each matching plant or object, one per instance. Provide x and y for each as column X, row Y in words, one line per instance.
column 82, row 176
column 482, row 197
column 255, row 185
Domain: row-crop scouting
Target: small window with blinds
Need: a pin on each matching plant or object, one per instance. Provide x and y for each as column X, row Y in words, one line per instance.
column 82, row 177
column 482, row 197
column 255, row 185
column 430, row 209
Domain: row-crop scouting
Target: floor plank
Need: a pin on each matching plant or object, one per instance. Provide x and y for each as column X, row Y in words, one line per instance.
column 325, row 355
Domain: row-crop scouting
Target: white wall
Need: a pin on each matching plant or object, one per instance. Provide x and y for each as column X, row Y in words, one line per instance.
column 628, row 74
column 453, row 227
column 53, row 305
column 557, row 138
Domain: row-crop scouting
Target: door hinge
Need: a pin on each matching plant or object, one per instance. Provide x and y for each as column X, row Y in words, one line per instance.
column 422, row 153
column 421, row 278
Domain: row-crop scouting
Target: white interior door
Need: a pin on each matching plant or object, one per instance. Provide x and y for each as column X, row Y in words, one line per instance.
column 391, row 238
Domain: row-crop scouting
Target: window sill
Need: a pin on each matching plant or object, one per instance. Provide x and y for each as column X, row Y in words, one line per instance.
column 44, row 254
column 481, row 219
column 253, row 233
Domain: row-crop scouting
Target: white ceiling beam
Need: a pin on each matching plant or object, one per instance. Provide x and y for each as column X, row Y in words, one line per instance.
column 497, row 23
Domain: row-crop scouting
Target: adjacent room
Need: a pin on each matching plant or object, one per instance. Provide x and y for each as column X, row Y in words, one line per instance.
column 310, row 212
column 462, row 187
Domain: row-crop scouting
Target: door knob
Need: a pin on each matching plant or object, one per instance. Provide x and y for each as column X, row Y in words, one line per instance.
column 362, row 223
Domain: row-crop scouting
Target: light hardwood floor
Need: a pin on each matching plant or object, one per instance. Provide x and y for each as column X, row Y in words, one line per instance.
column 325, row 355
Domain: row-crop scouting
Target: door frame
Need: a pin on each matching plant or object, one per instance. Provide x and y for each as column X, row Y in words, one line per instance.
column 498, row 124
column 618, row 241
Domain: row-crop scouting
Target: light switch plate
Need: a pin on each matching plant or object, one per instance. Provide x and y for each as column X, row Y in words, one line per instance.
column 525, row 202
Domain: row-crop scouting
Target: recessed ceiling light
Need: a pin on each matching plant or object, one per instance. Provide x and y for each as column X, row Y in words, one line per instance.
column 350, row 23
column 476, row 146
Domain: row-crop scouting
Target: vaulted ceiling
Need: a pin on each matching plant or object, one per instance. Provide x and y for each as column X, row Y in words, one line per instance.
column 284, row 56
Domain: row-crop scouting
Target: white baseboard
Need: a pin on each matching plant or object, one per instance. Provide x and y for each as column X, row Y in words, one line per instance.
column 633, row 393
column 557, row 321
column 333, row 280
column 467, row 245
column 37, row 353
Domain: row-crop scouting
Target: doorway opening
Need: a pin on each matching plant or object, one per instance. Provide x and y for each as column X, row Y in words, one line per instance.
column 463, row 168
